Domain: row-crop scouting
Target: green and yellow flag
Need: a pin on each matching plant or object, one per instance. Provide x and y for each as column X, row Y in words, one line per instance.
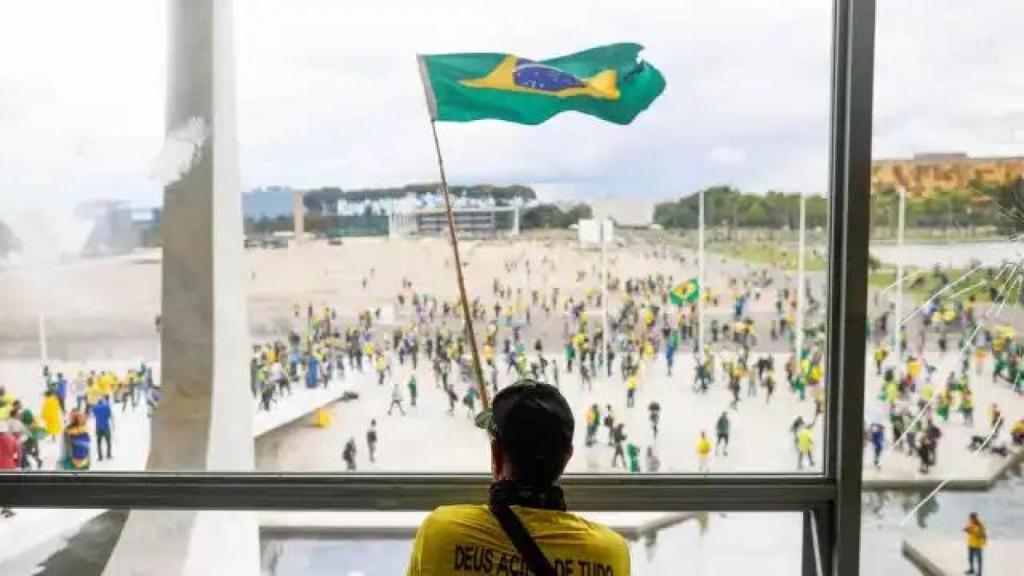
column 608, row 82
column 685, row 292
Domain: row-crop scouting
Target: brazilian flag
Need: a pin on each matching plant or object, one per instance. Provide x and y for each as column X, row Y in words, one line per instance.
column 685, row 292
column 609, row 82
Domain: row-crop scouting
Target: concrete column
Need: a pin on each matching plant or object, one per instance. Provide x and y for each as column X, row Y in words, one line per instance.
column 204, row 421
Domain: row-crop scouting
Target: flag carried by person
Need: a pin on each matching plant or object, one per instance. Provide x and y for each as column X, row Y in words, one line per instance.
column 685, row 292
column 608, row 82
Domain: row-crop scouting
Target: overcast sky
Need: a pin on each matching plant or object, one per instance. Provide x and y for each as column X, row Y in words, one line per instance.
column 328, row 93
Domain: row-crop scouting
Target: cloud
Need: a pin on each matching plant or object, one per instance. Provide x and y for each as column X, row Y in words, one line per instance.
column 328, row 93
column 727, row 156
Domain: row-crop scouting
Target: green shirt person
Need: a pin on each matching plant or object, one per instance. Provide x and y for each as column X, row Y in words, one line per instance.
column 633, row 453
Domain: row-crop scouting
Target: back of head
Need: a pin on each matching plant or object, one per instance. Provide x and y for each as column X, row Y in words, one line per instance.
column 532, row 424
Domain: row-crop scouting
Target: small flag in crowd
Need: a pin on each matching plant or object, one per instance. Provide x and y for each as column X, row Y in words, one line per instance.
column 685, row 292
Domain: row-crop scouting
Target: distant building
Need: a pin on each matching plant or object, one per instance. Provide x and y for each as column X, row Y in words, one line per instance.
column 270, row 202
column 925, row 174
column 590, row 234
column 469, row 220
column 625, row 212
column 425, row 215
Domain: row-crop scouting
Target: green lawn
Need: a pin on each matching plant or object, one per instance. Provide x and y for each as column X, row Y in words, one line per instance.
column 919, row 283
column 763, row 253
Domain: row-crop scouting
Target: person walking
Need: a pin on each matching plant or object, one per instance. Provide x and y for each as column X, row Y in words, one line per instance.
column 396, row 400
column 631, row 383
column 593, row 423
column 722, row 434
column 34, row 432
column 805, row 444
column 653, row 462
column 413, row 389
column 877, row 436
column 103, row 420
column 469, row 401
column 371, row 440
column 452, row 399
column 349, row 455
column 619, row 439
column 654, row 414
column 703, row 450
column 633, row 454
column 51, row 415
column 586, row 380
column 769, row 387
column 976, row 540
column 77, row 443
column 609, row 422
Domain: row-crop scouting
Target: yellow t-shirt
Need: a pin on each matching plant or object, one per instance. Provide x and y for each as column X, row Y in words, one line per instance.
column 107, row 382
column 703, row 446
column 804, row 440
column 975, row 535
column 468, row 540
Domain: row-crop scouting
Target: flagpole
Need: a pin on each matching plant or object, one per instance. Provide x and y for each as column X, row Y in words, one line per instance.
column 897, row 349
column 44, row 355
column 701, row 288
column 467, row 316
column 800, row 288
column 606, row 338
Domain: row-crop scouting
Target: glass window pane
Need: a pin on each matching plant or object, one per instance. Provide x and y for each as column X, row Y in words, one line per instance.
column 945, row 289
column 89, row 175
column 82, row 158
column 332, row 111
column 380, row 543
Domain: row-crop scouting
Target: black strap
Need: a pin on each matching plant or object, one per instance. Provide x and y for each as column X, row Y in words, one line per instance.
column 521, row 539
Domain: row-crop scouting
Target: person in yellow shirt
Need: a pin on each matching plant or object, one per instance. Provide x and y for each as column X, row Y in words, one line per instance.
column 703, row 451
column 51, row 414
column 6, row 402
column 92, row 395
column 631, row 383
column 107, row 383
column 805, row 445
column 976, row 539
column 525, row 527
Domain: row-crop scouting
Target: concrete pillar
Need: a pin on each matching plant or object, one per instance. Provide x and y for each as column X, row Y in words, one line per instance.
column 298, row 215
column 204, row 421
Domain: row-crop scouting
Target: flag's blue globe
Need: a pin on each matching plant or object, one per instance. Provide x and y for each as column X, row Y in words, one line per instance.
column 529, row 74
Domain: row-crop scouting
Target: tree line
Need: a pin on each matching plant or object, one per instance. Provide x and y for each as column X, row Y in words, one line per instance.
column 953, row 209
column 948, row 209
column 729, row 207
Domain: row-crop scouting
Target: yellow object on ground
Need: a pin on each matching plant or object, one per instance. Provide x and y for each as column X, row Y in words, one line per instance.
column 322, row 418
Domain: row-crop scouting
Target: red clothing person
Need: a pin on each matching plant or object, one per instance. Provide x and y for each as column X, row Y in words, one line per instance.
column 8, row 449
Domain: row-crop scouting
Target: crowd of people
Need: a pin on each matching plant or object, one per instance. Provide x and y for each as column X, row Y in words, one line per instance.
column 75, row 416
column 919, row 402
column 557, row 334
column 647, row 332
column 517, row 327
